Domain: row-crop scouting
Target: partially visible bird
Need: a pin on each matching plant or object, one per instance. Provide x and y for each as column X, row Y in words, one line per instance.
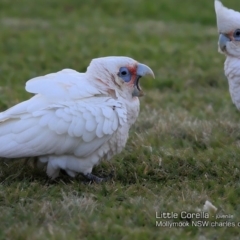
column 228, row 23
column 75, row 120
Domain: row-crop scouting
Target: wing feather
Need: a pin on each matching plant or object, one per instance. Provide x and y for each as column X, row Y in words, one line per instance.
column 62, row 114
column 65, row 84
column 61, row 126
column 73, row 127
column 44, row 120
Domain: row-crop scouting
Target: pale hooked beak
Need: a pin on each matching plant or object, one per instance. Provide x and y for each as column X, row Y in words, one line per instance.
column 142, row 70
column 222, row 42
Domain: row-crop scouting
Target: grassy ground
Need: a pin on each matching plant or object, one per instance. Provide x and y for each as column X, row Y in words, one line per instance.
column 184, row 148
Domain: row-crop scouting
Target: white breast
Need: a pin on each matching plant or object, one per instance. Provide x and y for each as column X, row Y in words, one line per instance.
column 232, row 72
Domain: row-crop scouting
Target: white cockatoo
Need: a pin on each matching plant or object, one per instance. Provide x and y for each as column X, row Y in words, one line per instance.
column 228, row 23
column 75, row 119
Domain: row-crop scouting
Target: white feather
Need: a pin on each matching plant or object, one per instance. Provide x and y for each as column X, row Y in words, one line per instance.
column 227, row 19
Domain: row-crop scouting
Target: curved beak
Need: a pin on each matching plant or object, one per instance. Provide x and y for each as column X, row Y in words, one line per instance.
column 142, row 70
column 222, row 42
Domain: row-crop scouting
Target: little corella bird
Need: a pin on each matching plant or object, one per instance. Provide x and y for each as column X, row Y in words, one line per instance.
column 228, row 23
column 75, row 120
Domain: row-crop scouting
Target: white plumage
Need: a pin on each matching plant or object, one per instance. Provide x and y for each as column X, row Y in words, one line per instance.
column 228, row 23
column 75, row 119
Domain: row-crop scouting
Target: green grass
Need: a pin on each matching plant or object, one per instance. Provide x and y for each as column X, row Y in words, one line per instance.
column 184, row 148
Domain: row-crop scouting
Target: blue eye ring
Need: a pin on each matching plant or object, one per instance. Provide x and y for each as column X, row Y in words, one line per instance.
column 236, row 34
column 125, row 74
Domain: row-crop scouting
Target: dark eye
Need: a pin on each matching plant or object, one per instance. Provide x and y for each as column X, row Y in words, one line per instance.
column 125, row 74
column 236, row 35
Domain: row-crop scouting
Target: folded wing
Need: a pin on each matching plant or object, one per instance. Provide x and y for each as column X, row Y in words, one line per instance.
column 68, row 115
column 70, row 127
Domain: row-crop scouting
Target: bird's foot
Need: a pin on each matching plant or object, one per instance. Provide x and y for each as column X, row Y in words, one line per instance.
column 93, row 178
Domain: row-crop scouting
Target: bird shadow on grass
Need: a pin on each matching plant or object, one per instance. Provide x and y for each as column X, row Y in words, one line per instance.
column 16, row 170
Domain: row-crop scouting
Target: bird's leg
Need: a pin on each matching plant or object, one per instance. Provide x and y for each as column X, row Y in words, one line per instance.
column 93, row 178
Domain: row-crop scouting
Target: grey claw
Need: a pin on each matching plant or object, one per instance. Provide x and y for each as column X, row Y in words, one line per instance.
column 97, row 179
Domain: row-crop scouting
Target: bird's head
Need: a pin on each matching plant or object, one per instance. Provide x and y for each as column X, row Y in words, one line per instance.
column 118, row 75
column 228, row 23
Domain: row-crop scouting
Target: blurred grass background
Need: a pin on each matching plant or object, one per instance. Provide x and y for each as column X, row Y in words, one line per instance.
column 184, row 148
